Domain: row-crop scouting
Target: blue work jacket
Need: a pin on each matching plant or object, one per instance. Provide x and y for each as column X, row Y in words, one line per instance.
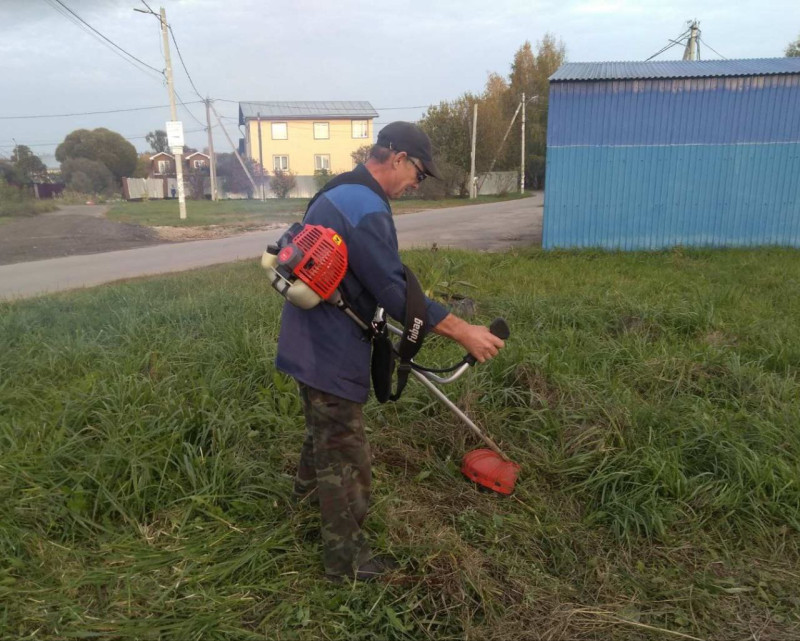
column 323, row 347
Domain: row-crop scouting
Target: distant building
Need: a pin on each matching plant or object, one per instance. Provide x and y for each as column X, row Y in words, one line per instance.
column 305, row 137
column 645, row 155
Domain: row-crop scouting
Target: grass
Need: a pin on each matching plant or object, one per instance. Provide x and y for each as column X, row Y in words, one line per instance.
column 147, row 446
column 253, row 212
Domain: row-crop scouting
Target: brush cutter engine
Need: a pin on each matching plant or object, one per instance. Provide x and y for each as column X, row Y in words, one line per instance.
column 307, row 265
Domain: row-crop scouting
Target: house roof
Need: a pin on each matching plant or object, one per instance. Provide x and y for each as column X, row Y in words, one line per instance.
column 657, row 69
column 305, row 110
column 197, row 153
column 161, row 153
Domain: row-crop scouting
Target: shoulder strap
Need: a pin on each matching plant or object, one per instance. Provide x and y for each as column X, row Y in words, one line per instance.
column 414, row 330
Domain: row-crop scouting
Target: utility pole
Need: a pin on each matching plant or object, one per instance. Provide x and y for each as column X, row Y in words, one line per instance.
column 260, row 160
column 235, row 151
column 473, row 191
column 522, row 158
column 691, row 45
column 176, row 151
column 212, row 156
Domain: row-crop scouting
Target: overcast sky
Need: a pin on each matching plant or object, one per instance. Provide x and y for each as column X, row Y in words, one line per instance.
column 393, row 54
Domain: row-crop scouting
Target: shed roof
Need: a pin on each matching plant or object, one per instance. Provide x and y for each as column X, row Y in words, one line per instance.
column 306, row 110
column 675, row 69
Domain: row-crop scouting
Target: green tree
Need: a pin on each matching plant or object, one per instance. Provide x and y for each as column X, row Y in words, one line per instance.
column 361, row 154
column 10, row 173
column 157, row 140
column 101, row 145
column 233, row 176
column 29, row 166
column 793, row 50
column 282, row 182
column 530, row 73
column 87, row 176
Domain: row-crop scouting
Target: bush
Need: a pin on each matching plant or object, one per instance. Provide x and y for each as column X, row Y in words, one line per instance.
column 282, row 182
column 453, row 183
column 322, row 177
column 14, row 202
column 87, row 176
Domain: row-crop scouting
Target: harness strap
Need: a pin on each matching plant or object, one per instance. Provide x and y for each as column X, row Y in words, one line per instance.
column 414, row 330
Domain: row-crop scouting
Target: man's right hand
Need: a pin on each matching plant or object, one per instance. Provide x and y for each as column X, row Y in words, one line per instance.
column 476, row 339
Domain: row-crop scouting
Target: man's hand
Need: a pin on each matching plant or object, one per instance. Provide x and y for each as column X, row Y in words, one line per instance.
column 477, row 339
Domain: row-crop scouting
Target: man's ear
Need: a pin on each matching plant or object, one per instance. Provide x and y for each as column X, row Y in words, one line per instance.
column 399, row 157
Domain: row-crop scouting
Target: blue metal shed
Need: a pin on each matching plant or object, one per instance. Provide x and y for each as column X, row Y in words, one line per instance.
column 646, row 155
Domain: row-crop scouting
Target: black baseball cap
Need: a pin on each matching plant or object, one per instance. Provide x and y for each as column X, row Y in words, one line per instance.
column 406, row 136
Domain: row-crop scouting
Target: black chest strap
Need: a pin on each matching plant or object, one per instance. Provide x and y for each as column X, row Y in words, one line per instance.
column 414, row 330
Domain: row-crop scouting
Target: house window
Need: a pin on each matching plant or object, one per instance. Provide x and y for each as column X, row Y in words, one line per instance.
column 198, row 164
column 360, row 128
column 163, row 166
column 279, row 131
column 280, row 163
column 322, row 161
column 321, row 131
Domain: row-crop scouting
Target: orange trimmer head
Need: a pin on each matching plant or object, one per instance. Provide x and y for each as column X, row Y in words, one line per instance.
column 490, row 470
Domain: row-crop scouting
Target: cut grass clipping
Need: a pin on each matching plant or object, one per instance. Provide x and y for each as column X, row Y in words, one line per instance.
column 147, row 447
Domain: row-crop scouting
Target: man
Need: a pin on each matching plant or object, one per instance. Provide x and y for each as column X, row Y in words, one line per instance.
column 326, row 352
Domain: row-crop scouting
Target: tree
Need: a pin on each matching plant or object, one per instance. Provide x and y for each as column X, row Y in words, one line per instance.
column 157, row 140
column 236, row 180
column 29, row 166
column 361, row 154
column 101, row 145
column 282, row 182
column 10, row 173
column 87, row 176
column 530, row 73
column 793, row 50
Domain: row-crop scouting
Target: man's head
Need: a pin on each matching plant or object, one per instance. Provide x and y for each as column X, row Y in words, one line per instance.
column 402, row 158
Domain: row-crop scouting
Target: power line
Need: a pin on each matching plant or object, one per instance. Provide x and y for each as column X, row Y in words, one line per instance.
column 108, row 40
column 183, row 104
column 714, row 50
column 677, row 41
column 183, row 64
column 52, row 144
column 89, row 113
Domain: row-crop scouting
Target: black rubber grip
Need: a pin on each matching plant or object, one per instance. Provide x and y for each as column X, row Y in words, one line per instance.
column 499, row 328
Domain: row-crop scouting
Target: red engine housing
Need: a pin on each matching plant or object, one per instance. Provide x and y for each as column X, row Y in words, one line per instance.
column 322, row 258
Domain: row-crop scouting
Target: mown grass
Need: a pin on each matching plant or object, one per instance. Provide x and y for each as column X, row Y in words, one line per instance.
column 147, row 447
column 201, row 213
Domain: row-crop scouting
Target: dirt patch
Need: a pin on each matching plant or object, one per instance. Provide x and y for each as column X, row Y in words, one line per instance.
column 210, row 232
column 70, row 231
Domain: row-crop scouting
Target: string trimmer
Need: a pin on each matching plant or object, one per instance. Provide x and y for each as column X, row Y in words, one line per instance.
column 306, row 267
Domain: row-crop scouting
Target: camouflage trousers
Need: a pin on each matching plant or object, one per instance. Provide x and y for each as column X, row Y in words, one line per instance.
column 335, row 472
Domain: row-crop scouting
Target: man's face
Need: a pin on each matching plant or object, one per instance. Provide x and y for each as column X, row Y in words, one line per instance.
column 408, row 174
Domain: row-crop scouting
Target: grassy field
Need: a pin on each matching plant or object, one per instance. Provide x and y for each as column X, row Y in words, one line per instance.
column 254, row 212
column 147, row 446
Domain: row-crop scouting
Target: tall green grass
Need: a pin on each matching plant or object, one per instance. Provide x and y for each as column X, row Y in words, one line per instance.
column 147, row 446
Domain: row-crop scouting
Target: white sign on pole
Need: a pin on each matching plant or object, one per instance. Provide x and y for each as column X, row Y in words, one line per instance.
column 175, row 135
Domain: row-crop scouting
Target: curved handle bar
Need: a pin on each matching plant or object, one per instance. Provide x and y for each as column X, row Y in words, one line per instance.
column 498, row 327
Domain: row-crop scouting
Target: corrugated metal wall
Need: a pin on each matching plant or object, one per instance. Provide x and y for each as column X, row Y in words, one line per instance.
column 647, row 164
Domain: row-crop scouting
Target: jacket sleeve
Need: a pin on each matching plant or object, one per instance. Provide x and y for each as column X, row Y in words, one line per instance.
column 374, row 260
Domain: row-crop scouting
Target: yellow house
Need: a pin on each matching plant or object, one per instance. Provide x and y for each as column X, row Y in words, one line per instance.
column 304, row 137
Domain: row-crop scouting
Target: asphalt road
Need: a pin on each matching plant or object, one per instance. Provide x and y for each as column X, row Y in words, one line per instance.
column 487, row 227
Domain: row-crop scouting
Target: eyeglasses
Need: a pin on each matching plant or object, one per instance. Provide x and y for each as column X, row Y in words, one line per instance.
column 421, row 175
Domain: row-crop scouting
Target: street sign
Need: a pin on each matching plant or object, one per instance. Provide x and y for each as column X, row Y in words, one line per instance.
column 175, row 134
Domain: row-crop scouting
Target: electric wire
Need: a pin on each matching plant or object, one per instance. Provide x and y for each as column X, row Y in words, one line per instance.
column 670, row 45
column 90, row 113
column 74, row 17
column 183, row 64
column 712, row 49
